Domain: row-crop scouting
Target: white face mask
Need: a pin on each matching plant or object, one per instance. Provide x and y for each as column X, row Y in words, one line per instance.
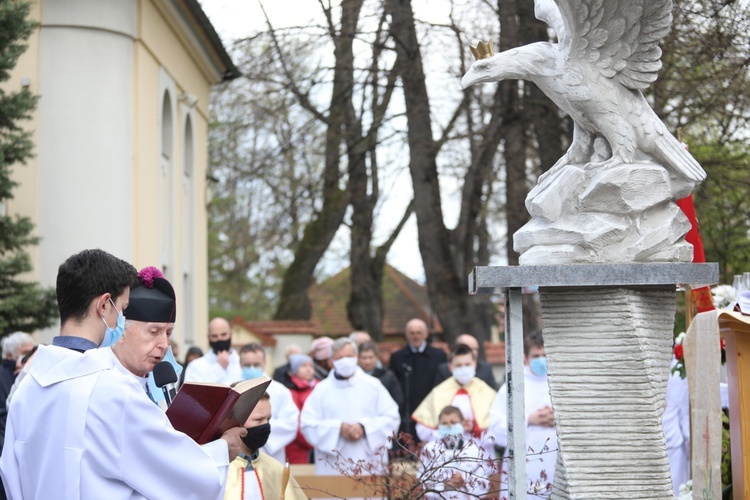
column 464, row 374
column 345, row 367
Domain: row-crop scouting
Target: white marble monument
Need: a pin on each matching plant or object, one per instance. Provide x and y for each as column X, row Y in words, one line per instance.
column 608, row 200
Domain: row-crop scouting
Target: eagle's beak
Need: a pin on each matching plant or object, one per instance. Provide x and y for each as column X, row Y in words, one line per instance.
column 469, row 78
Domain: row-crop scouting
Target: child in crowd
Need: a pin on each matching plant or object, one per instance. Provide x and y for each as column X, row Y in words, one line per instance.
column 454, row 466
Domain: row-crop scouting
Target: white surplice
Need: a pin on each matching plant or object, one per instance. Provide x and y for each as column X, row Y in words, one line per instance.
column 284, row 421
column 207, row 369
column 81, row 426
column 676, row 422
column 440, row 459
column 359, row 399
column 541, row 442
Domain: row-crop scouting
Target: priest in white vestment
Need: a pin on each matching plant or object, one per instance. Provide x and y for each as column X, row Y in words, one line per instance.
column 81, row 426
column 541, row 435
column 349, row 416
column 284, row 413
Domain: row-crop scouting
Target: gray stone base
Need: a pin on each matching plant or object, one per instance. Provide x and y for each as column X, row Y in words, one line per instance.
column 608, row 352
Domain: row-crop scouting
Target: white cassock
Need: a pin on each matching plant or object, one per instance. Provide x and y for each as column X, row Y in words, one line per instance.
column 359, row 399
column 81, row 426
column 207, row 369
column 438, row 462
column 284, row 421
column 676, row 422
column 541, row 442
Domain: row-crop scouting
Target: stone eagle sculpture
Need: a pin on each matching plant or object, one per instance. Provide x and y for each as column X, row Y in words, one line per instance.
column 606, row 54
column 610, row 197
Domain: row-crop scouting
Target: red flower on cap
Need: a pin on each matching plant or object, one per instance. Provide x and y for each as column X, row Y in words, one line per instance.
column 678, row 351
column 148, row 274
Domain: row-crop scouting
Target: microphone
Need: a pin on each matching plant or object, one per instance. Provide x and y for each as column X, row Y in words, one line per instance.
column 407, row 367
column 165, row 377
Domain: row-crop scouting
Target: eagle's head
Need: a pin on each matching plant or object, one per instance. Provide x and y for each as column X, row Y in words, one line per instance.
column 522, row 63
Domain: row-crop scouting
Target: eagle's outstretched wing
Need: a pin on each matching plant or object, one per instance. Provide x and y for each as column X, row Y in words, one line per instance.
column 619, row 37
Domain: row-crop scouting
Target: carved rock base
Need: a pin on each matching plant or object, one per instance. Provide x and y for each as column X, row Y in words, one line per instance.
column 608, row 352
column 623, row 213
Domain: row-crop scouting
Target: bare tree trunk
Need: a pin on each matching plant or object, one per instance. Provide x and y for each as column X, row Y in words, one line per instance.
column 365, row 306
column 449, row 300
column 293, row 301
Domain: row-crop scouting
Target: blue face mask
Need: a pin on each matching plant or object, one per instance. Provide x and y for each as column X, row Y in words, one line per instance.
column 539, row 366
column 454, row 430
column 113, row 335
column 250, row 372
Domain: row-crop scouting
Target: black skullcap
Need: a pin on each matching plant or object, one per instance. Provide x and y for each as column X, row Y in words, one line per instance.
column 152, row 298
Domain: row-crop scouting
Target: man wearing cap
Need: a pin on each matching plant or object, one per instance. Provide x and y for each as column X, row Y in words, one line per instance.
column 83, row 427
column 320, row 352
column 220, row 365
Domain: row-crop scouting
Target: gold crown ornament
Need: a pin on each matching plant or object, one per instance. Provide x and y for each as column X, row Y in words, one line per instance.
column 482, row 50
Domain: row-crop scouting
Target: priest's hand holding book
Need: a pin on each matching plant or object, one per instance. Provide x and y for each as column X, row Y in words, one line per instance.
column 233, row 437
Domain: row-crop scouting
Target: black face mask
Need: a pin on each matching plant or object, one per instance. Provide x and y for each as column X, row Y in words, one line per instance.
column 257, row 436
column 221, row 345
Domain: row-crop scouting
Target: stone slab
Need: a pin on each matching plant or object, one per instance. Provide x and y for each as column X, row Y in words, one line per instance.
column 493, row 279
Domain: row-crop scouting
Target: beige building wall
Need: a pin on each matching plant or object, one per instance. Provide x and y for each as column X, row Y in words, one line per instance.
column 121, row 141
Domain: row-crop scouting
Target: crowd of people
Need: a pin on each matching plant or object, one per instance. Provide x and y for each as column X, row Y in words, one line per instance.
column 80, row 419
column 337, row 406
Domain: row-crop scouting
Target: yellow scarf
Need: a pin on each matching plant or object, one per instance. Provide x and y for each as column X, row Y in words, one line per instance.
column 268, row 472
column 480, row 394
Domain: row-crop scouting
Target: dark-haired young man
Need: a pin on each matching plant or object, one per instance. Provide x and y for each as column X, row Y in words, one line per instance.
column 80, row 425
column 93, row 290
column 541, row 435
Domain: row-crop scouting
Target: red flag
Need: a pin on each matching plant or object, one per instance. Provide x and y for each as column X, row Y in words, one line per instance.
column 701, row 296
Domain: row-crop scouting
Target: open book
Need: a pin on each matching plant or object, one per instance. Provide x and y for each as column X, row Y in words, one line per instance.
column 205, row 411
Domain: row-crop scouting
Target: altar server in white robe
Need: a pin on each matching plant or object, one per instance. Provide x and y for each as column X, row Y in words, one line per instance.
column 221, row 364
column 284, row 413
column 349, row 415
column 453, row 466
column 541, row 435
column 81, row 426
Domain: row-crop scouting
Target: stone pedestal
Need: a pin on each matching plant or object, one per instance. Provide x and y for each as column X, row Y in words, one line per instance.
column 608, row 338
column 608, row 352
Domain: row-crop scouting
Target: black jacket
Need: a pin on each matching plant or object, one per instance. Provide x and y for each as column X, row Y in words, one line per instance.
column 416, row 373
column 390, row 382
